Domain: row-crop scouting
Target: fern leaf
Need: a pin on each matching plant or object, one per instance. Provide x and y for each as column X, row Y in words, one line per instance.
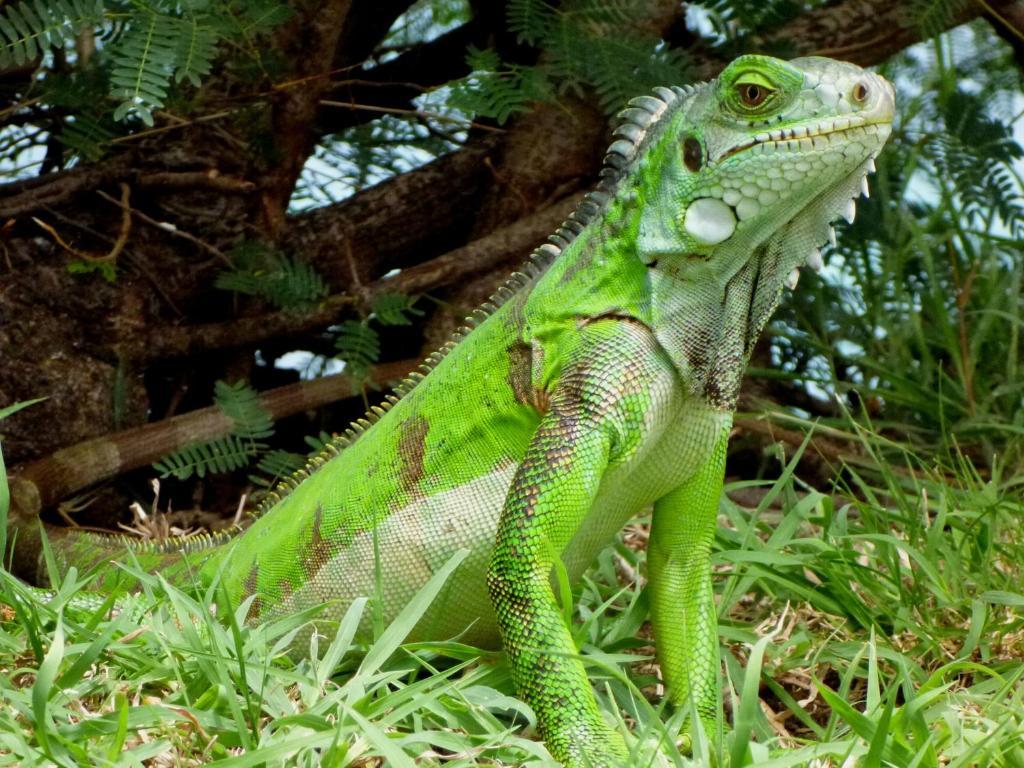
column 531, row 20
column 105, row 269
column 606, row 11
column 358, row 347
column 25, row 36
column 143, row 61
column 496, row 91
column 318, row 443
column 482, row 59
column 757, row 15
column 197, row 47
column 280, row 463
column 977, row 154
column 295, row 285
column 285, row 282
column 29, row 28
column 223, row 455
column 620, row 68
column 260, row 15
column 935, row 16
column 85, row 136
column 395, row 309
column 275, row 465
column 241, row 403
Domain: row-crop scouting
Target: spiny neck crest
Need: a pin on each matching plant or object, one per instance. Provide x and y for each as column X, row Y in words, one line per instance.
column 636, row 127
column 634, row 131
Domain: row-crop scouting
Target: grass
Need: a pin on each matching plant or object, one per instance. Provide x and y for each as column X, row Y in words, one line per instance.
column 874, row 621
column 879, row 625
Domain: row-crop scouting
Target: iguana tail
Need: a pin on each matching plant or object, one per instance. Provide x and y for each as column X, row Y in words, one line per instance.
column 177, row 558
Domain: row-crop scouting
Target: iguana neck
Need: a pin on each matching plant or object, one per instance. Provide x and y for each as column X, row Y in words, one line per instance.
column 708, row 311
column 704, row 328
column 706, row 320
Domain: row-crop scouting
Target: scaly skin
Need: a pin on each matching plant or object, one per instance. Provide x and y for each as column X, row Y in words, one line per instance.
column 604, row 383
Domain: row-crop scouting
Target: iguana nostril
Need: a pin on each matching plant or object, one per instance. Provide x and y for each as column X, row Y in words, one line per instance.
column 861, row 91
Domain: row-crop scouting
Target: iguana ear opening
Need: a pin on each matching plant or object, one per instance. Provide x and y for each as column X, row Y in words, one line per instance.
column 693, row 154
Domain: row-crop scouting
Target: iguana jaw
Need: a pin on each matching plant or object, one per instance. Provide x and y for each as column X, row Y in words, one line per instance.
column 797, row 243
column 802, row 137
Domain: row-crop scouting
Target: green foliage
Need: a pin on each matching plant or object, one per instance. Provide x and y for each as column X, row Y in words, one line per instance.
column 86, row 136
column 252, row 17
column 358, row 346
column 357, row 342
column 735, row 18
column 152, row 45
column 616, row 68
column 241, row 403
column 195, row 51
column 977, row 152
column 588, row 45
column 395, row 309
column 167, row 42
column 224, row 454
column 29, row 28
column 142, row 62
column 531, row 20
column 251, row 422
column 283, row 281
column 105, row 268
column 277, row 464
column 88, row 126
column 934, row 16
column 497, row 90
column 318, row 443
column 10, row 410
column 878, row 623
column 5, row 503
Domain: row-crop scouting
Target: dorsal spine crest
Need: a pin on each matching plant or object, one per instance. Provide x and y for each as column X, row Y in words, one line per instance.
column 635, row 122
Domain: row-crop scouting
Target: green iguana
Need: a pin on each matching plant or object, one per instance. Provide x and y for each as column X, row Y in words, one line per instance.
column 600, row 380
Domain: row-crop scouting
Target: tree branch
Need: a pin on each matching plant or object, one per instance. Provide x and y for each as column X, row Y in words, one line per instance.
column 865, row 32
column 396, row 83
column 401, row 221
column 27, row 195
column 40, row 484
column 309, row 40
column 460, row 264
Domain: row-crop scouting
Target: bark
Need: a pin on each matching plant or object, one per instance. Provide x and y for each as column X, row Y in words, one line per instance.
column 400, row 222
column 467, row 262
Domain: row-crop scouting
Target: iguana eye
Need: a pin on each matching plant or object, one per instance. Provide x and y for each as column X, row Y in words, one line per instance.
column 752, row 94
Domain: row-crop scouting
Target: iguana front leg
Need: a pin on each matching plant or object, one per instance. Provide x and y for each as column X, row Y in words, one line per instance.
column 549, row 499
column 682, row 602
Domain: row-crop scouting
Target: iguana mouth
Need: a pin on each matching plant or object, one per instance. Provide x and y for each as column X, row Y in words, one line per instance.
column 803, row 138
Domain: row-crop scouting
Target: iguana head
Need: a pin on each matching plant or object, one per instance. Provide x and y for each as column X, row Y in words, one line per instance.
column 736, row 184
